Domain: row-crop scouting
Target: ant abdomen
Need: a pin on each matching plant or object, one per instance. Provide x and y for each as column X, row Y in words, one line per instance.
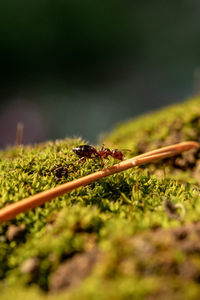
column 86, row 151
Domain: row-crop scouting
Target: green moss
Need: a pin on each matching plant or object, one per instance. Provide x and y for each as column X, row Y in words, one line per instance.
column 181, row 120
column 116, row 220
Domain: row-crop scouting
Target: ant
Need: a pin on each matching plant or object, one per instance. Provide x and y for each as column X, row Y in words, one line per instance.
column 61, row 171
column 87, row 151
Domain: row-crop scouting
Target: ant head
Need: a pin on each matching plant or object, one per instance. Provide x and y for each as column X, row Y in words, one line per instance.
column 117, row 154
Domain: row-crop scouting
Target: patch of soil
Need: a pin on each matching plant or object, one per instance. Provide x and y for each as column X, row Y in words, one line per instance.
column 74, row 271
column 169, row 252
column 15, row 232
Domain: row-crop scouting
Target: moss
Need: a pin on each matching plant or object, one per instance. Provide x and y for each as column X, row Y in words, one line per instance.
column 126, row 221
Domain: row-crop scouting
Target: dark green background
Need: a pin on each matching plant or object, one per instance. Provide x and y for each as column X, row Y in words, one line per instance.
column 71, row 68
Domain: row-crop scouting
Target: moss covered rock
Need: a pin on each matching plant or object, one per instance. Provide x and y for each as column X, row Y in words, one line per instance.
column 133, row 235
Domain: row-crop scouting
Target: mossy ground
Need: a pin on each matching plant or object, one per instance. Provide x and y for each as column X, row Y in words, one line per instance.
column 133, row 235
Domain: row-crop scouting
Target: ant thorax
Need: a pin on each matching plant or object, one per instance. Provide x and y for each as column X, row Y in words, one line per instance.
column 104, row 152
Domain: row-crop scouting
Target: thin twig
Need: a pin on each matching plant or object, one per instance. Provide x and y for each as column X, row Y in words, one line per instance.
column 11, row 211
column 19, row 133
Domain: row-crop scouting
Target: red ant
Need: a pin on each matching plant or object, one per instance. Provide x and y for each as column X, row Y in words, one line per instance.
column 87, row 151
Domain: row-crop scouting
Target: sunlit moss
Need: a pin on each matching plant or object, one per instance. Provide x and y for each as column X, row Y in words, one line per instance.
column 106, row 216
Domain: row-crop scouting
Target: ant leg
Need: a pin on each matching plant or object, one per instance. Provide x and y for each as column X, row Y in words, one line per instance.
column 81, row 160
column 102, row 163
column 71, row 167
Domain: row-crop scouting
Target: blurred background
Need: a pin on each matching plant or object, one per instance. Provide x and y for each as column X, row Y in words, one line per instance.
column 78, row 68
